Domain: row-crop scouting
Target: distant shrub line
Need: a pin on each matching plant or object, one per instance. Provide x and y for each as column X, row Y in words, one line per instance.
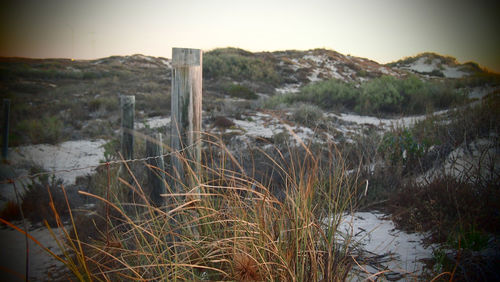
column 237, row 64
column 383, row 95
column 12, row 71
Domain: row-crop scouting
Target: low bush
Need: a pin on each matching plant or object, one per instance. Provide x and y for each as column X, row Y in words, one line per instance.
column 385, row 95
column 240, row 91
column 445, row 206
column 401, row 146
column 410, row 95
column 307, row 114
column 330, row 94
column 48, row 129
column 380, row 95
column 238, row 65
column 222, row 122
column 156, row 103
column 108, row 104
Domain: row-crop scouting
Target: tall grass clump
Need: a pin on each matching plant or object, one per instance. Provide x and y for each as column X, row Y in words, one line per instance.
column 223, row 224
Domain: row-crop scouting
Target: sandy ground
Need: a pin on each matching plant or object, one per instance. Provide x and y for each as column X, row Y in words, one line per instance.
column 42, row 266
column 379, row 236
column 375, row 234
column 66, row 155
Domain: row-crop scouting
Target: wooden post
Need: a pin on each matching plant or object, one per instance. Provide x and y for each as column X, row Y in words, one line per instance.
column 186, row 109
column 127, row 115
column 154, row 148
column 6, row 114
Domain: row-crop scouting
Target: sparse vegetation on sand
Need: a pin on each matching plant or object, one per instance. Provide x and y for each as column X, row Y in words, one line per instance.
column 235, row 228
column 385, row 95
column 269, row 205
column 238, row 64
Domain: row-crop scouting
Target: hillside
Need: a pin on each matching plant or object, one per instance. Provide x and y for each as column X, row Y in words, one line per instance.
column 433, row 64
column 293, row 142
column 81, row 97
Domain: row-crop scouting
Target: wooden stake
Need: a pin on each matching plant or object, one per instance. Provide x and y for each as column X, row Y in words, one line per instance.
column 154, row 148
column 127, row 104
column 186, row 109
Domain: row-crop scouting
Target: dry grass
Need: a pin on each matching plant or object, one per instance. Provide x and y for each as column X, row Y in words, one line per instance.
column 225, row 226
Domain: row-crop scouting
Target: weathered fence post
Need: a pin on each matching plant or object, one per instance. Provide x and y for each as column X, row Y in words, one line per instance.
column 154, row 149
column 127, row 104
column 5, row 139
column 186, row 109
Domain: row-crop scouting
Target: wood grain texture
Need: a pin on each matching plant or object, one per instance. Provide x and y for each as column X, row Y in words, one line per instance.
column 186, row 107
column 127, row 104
column 156, row 177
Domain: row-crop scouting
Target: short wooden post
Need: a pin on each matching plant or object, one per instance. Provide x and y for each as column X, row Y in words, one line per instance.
column 5, row 133
column 186, row 109
column 154, row 149
column 127, row 104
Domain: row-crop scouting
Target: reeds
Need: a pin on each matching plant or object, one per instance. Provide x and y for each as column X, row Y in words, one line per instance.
column 226, row 225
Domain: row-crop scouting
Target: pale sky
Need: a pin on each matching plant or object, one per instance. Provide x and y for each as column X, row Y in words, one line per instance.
column 381, row 30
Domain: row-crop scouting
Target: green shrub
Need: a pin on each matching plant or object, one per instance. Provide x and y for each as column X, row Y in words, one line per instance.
column 277, row 101
column 410, row 95
column 106, row 103
column 383, row 95
column 400, row 145
column 157, row 103
column 238, row 65
column 110, row 150
column 240, row 91
column 36, row 200
column 329, row 94
column 380, row 95
column 468, row 238
column 45, row 130
column 307, row 114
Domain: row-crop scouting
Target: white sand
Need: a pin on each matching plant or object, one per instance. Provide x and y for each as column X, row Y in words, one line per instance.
column 379, row 236
column 41, row 264
column 153, row 122
column 453, row 72
column 66, row 155
column 385, row 123
column 263, row 125
column 288, row 88
column 481, row 91
column 420, row 65
column 480, row 157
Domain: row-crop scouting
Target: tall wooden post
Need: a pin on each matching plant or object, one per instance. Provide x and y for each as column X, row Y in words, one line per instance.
column 154, row 148
column 186, row 108
column 5, row 135
column 127, row 104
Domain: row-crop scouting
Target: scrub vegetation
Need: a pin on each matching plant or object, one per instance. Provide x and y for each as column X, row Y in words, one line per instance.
column 265, row 208
column 383, row 96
